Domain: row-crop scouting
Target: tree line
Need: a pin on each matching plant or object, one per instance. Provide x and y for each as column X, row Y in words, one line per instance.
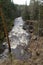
column 10, row 11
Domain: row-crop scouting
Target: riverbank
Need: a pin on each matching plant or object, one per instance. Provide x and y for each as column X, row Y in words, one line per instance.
column 10, row 24
column 36, row 47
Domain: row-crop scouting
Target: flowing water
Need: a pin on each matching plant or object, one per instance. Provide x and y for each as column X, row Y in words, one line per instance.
column 19, row 40
column 18, row 36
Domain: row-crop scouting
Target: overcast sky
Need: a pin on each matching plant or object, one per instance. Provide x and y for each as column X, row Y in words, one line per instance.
column 21, row 1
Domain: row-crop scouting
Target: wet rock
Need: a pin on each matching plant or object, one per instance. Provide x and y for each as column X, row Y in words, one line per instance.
column 34, row 37
column 2, row 48
column 37, row 53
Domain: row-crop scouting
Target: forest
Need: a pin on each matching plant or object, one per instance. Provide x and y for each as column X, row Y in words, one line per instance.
column 10, row 11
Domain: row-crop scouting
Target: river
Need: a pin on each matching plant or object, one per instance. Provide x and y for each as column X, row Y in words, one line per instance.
column 19, row 40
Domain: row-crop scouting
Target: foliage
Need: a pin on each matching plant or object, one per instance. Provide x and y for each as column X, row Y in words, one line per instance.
column 26, row 15
column 34, row 9
column 10, row 12
column 36, row 13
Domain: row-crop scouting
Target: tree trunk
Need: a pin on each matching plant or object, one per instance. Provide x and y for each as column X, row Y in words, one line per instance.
column 5, row 28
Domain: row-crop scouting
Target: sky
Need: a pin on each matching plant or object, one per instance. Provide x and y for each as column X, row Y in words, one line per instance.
column 21, row 2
